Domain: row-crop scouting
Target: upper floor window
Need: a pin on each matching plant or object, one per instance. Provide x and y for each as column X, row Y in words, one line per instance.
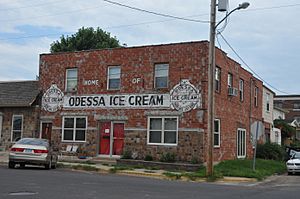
column 268, row 102
column 114, row 80
column 256, row 96
column 230, row 80
column 296, row 105
column 217, row 133
column 162, row 130
column 161, row 75
column 241, row 90
column 71, row 79
column 74, row 129
column 17, row 128
column 218, row 79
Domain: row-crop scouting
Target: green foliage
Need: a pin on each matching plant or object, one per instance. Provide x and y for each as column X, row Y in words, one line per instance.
column 270, row 151
column 85, row 39
column 127, row 154
column 194, row 160
column 168, row 157
column 148, row 158
column 286, row 129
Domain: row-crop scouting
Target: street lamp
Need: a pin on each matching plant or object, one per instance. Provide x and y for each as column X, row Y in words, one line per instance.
column 211, row 72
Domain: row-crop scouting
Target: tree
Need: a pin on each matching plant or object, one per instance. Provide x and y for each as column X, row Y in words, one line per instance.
column 287, row 130
column 85, row 39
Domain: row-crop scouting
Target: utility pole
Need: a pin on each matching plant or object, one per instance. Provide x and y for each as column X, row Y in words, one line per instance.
column 211, row 72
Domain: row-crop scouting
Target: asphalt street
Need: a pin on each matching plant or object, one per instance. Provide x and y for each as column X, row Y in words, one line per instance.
column 45, row 184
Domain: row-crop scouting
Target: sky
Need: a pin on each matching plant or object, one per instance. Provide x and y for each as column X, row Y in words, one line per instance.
column 264, row 38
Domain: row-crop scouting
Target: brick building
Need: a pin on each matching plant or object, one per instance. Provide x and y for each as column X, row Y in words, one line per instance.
column 148, row 100
column 19, row 111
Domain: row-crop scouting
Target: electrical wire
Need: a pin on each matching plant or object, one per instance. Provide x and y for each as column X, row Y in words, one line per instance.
column 155, row 13
column 257, row 75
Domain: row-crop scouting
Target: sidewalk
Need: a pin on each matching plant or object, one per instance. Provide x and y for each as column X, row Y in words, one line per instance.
column 94, row 164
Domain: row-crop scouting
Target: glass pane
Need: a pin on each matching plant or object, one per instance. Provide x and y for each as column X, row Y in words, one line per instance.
column 68, row 135
column 69, row 123
column 114, row 73
column 216, row 125
column 170, row 137
column 17, row 123
column 80, row 135
column 155, row 124
column 161, row 82
column 216, row 139
column 161, row 70
column 114, row 83
column 72, row 73
column 155, row 137
column 80, row 123
column 16, row 136
column 171, row 124
column 71, row 85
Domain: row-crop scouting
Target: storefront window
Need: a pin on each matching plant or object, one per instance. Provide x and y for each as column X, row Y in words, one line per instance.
column 162, row 130
column 74, row 129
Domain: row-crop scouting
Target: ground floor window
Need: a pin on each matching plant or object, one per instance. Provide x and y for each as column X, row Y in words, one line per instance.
column 241, row 143
column 17, row 128
column 163, row 130
column 74, row 129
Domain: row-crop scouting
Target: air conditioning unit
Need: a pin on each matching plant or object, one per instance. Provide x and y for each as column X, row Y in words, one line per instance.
column 232, row 91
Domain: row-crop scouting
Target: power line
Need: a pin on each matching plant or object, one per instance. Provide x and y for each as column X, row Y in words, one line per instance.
column 273, row 7
column 155, row 13
column 234, row 51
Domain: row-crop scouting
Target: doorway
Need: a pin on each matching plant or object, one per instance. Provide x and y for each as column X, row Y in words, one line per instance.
column 111, row 138
column 46, row 128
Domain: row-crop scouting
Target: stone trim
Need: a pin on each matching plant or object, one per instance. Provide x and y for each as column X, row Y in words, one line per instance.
column 135, row 129
column 74, row 114
column 110, row 117
column 163, row 113
column 197, row 130
column 47, row 118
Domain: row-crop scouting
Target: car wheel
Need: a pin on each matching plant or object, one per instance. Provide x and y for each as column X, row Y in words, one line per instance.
column 48, row 165
column 11, row 165
column 22, row 165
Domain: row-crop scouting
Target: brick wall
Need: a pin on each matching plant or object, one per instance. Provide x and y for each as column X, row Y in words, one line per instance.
column 186, row 61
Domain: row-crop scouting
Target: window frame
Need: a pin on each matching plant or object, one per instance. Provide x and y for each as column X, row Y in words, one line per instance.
column 108, row 77
column 218, row 79
column 68, row 79
column 241, row 150
column 241, row 89
column 168, row 67
column 217, row 133
column 230, row 80
column 162, row 130
column 12, row 127
column 74, row 129
column 268, row 96
column 256, row 96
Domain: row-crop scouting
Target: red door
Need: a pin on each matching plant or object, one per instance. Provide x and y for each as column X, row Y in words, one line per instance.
column 118, row 143
column 105, row 138
column 46, row 131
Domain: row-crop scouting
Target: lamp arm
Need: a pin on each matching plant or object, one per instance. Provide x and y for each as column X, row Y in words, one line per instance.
column 226, row 16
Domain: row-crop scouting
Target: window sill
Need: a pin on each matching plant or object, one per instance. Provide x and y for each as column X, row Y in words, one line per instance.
column 161, row 144
column 72, row 141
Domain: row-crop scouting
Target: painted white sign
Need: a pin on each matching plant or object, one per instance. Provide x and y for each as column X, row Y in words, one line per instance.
column 91, row 82
column 183, row 97
column 52, row 99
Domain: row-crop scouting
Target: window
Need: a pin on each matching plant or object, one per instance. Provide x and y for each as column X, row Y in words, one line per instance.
column 71, row 79
column 230, row 80
column 74, row 129
column 268, row 102
column 296, row 105
column 217, row 133
column 218, row 79
column 241, row 143
column 241, row 90
column 17, row 127
column 114, row 74
column 162, row 130
column 256, row 96
column 161, row 75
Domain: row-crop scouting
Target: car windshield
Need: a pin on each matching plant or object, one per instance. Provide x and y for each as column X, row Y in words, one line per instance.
column 31, row 141
column 296, row 156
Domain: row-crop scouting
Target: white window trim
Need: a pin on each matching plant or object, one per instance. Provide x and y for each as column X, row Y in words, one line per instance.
column 268, row 96
column 237, row 143
column 155, row 76
column 241, row 88
column 66, row 80
column 108, row 79
column 256, row 96
column 230, row 80
column 12, row 127
column 74, row 129
column 219, row 133
column 162, row 144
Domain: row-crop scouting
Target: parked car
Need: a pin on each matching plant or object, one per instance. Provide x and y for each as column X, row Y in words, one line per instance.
column 293, row 165
column 33, row 151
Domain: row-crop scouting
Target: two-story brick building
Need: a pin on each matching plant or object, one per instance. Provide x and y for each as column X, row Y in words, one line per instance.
column 149, row 100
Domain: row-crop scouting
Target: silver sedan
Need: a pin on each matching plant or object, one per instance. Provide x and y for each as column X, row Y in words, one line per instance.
column 32, row 151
